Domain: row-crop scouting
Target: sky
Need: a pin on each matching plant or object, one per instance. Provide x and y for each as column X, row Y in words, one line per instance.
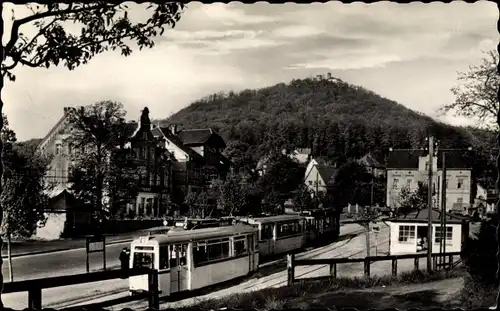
column 409, row 53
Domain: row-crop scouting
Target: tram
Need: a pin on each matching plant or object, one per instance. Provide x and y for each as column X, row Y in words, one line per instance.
column 322, row 225
column 191, row 259
column 278, row 234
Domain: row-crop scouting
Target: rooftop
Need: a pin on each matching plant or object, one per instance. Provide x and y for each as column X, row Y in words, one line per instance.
column 423, row 216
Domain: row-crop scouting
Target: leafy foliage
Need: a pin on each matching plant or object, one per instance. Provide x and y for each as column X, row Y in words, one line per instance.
column 477, row 94
column 410, row 201
column 231, row 195
column 24, row 197
column 100, row 166
column 199, row 204
column 74, row 33
column 480, row 254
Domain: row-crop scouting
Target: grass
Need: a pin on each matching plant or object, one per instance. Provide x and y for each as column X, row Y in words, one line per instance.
column 330, row 293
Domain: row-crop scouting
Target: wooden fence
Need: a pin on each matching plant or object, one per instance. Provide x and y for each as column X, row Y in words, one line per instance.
column 34, row 287
column 333, row 262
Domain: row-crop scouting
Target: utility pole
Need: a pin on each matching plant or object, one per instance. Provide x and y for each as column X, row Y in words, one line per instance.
column 429, row 206
column 442, row 242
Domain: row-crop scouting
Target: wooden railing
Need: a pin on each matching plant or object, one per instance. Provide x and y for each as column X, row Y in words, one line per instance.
column 333, row 262
column 34, row 287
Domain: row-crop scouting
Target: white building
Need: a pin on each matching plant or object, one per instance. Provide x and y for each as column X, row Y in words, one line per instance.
column 406, row 169
column 407, row 232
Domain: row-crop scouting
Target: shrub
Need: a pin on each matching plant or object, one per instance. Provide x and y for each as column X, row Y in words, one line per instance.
column 480, row 255
column 476, row 294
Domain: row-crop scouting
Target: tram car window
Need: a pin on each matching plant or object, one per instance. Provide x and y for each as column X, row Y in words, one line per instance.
column 267, row 232
column 240, row 246
column 144, row 260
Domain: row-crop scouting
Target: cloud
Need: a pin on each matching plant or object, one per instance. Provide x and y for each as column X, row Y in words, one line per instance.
column 408, row 53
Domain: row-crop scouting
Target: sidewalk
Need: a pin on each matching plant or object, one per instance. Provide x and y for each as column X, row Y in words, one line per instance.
column 31, row 247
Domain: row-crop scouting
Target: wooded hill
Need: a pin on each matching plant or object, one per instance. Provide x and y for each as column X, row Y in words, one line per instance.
column 336, row 119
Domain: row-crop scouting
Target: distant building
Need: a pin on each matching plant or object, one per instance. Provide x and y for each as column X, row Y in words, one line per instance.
column 54, row 144
column 406, row 169
column 197, row 157
column 485, row 200
column 407, row 232
column 155, row 170
column 372, row 165
column 299, row 155
column 320, row 178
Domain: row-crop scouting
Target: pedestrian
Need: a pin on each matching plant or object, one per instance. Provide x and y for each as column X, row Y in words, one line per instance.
column 125, row 258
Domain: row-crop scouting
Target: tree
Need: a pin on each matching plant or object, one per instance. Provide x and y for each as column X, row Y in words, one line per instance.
column 281, row 179
column 100, row 168
column 24, row 197
column 230, row 194
column 477, row 97
column 303, row 197
column 198, row 204
column 102, row 26
column 410, row 201
column 352, row 185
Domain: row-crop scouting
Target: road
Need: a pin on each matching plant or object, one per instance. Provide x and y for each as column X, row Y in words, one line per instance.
column 73, row 261
column 60, row 263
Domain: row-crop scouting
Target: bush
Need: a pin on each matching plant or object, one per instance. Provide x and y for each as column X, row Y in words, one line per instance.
column 480, row 255
column 476, row 294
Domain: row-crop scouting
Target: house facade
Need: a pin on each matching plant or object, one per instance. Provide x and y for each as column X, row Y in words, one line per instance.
column 196, row 156
column 320, row 178
column 54, row 144
column 408, row 233
column 372, row 165
column 485, row 200
column 154, row 174
column 407, row 169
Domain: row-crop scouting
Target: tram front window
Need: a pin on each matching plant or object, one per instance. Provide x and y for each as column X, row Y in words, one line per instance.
column 144, row 260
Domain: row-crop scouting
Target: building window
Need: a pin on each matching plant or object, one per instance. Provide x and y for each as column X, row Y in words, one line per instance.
column 319, row 182
column 447, row 182
column 58, row 149
column 460, row 200
column 152, row 180
column 426, row 166
column 406, row 233
column 395, row 183
column 408, row 183
column 449, row 235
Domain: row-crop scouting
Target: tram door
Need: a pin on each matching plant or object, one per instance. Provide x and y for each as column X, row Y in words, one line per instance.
column 179, row 269
column 251, row 252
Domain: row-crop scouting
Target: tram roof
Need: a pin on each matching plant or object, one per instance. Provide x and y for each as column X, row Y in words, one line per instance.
column 175, row 236
column 278, row 218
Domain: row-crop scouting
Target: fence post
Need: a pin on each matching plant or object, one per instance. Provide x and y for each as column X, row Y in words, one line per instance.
column 416, row 261
column 153, row 300
column 367, row 267
column 290, row 267
column 35, row 298
column 394, row 267
column 333, row 270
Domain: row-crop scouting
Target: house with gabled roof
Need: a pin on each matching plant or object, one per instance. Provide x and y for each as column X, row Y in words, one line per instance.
column 154, row 173
column 197, row 156
column 372, row 165
column 407, row 168
column 320, row 178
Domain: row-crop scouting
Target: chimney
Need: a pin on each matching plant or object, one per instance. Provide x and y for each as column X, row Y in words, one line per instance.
column 329, row 75
column 173, row 129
